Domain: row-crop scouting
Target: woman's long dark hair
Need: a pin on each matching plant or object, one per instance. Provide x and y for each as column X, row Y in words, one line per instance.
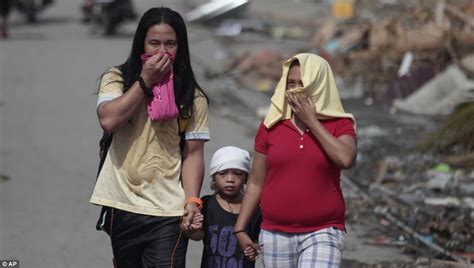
column 185, row 83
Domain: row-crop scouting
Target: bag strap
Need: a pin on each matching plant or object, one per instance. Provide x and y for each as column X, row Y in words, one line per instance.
column 104, row 144
column 182, row 125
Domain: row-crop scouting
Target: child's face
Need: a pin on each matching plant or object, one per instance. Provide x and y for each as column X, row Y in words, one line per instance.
column 230, row 181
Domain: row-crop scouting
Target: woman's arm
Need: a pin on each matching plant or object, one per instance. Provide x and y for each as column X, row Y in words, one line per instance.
column 250, row 203
column 116, row 113
column 192, row 174
column 341, row 150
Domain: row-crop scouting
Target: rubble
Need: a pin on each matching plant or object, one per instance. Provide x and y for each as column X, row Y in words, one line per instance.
column 431, row 201
column 404, row 51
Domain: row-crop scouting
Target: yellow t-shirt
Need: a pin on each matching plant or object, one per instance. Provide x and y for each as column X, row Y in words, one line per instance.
column 141, row 172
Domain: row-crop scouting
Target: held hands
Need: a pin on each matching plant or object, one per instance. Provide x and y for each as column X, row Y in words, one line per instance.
column 155, row 68
column 251, row 250
column 196, row 223
column 192, row 218
column 198, row 219
column 302, row 107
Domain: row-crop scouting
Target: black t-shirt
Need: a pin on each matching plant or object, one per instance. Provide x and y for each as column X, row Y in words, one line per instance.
column 221, row 248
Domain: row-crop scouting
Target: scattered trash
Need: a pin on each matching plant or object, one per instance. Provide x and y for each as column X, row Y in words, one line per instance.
column 438, row 180
column 406, row 64
column 428, row 238
column 467, row 189
column 384, row 222
column 386, row 241
column 469, row 202
column 371, row 132
column 443, row 201
column 442, row 167
column 436, row 263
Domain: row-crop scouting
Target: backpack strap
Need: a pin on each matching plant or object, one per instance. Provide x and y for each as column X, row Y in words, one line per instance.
column 182, row 124
column 104, row 144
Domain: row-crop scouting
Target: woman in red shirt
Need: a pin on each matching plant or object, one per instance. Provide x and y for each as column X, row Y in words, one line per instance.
column 300, row 148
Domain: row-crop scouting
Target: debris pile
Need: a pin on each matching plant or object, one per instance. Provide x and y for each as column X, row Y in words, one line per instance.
column 388, row 51
column 413, row 193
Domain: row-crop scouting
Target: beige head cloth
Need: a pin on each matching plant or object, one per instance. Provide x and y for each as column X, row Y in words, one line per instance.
column 319, row 84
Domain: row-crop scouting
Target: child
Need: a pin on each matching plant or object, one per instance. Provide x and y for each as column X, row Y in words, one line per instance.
column 228, row 173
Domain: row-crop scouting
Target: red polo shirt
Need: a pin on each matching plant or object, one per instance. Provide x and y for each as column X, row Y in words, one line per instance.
column 301, row 191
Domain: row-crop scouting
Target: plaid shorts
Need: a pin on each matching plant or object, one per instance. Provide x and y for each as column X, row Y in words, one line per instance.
column 322, row 248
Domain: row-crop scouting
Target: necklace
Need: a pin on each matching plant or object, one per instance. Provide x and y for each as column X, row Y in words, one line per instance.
column 228, row 204
column 230, row 207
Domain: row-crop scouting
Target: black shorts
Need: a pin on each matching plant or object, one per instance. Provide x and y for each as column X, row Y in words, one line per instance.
column 144, row 241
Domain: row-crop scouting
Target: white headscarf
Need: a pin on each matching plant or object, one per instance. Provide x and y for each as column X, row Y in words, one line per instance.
column 229, row 157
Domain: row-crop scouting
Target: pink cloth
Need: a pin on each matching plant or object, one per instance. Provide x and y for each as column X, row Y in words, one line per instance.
column 162, row 106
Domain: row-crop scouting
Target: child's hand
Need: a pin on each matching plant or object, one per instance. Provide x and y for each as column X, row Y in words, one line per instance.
column 251, row 250
column 251, row 253
column 192, row 228
column 196, row 224
column 190, row 209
